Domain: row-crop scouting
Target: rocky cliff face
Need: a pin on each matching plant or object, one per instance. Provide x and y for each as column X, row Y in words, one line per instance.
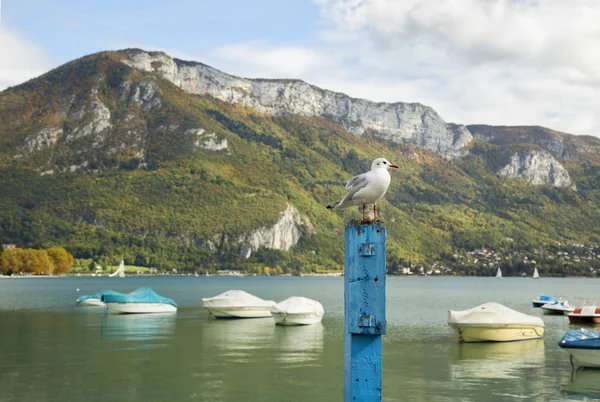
column 281, row 236
column 561, row 145
column 407, row 123
column 536, row 167
column 88, row 126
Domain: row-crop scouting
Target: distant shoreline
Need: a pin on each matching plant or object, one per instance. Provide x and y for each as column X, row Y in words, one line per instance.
column 274, row 276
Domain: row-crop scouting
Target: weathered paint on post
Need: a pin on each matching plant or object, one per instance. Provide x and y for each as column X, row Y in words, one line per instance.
column 364, row 303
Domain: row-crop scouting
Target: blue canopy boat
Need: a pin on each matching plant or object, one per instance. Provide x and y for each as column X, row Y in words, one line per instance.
column 140, row 301
column 558, row 307
column 93, row 300
column 583, row 346
column 543, row 299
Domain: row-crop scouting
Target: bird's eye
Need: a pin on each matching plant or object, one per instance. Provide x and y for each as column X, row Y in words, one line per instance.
column 385, row 163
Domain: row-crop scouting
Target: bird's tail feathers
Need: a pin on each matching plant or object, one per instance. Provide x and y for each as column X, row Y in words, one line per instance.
column 331, row 206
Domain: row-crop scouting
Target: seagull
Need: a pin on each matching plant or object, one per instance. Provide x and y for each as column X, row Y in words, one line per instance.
column 367, row 188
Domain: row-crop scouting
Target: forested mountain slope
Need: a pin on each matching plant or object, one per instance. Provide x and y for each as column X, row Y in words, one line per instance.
column 111, row 161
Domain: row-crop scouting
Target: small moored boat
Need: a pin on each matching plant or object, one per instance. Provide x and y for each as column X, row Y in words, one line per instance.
column 589, row 314
column 297, row 311
column 543, row 299
column 583, row 346
column 557, row 307
column 493, row 322
column 93, row 300
column 237, row 304
column 140, row 301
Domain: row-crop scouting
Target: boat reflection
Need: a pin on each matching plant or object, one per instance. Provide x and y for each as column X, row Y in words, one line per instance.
column 585, row 382
column 496, row 360
column 299, row 344
column 137, row 327
column 239, row 340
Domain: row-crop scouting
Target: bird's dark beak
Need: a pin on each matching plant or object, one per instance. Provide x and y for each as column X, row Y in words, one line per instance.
column 394, row 166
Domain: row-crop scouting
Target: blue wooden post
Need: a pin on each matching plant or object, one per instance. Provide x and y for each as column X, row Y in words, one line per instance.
column 364, row 304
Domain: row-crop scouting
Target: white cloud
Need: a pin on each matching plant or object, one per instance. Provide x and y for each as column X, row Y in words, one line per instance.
column 20, row 59
column 476, row 61
column 269, row 61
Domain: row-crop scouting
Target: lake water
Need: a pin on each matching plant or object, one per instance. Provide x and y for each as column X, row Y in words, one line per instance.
column 50, row 350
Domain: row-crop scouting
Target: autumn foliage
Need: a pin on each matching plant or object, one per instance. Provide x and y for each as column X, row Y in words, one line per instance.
column 55, row 260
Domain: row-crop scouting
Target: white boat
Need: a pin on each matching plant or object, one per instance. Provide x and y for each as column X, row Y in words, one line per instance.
column 585, row 314
column 93, row 300
column 119, row 272
column 543, row 299
column 493, row 322
column 297, row 311
column 557, row 307
column 140, row 301
column 583, row 346
column 237, row 304
column 536, row 274
column 499, row 273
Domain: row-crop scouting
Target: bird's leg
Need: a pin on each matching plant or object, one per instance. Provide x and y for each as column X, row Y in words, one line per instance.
column 374, row 211
column 364, row 207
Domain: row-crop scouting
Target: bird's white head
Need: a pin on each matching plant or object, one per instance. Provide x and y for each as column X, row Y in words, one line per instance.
column 382, row 163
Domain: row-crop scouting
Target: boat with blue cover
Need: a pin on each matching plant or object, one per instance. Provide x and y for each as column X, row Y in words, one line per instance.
column 93, row 300
column 140, row 301
column 558, row 307
column 583, row 346
column 543, row 299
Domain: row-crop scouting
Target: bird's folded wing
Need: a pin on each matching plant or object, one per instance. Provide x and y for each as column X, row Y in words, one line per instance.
column 359, row 180
column 356, row 187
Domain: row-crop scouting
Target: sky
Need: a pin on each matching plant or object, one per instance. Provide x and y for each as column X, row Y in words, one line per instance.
column 499, row 62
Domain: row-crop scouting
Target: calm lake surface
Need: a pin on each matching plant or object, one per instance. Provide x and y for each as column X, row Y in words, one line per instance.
column 50, row 350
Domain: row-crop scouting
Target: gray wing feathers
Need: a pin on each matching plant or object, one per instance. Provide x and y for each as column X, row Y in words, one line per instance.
column 357, row 180
column 353, row 190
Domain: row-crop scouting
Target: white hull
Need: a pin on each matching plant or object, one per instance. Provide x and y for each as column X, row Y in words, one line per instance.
column 296, row 319
column 140, row 308
column 240, row 312
column 585, row 314
column 585, row 357
column 554, row 310
column 91, row 303
column 497, row 333
column 237, row 304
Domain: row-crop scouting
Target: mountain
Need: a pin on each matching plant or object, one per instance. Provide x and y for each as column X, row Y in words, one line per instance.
column 561, row 145
column 404, row 123
column 174, row 164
